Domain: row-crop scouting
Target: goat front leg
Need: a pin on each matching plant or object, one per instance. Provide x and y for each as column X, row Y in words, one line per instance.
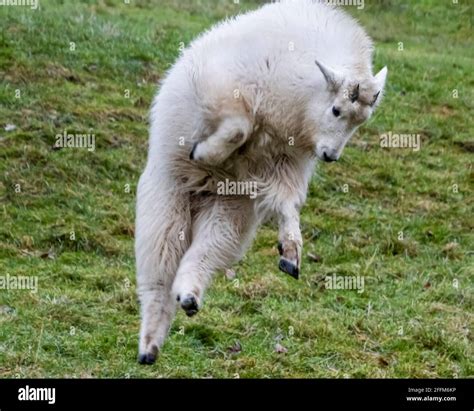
column 231, row 134
column 290, row 241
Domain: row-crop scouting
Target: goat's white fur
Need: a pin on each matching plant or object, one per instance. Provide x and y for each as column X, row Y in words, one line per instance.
column 254, row 96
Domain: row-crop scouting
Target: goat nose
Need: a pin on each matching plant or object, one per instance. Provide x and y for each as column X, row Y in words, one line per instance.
column 328, row 158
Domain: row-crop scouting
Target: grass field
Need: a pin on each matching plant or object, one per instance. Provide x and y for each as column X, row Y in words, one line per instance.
column 403, row 219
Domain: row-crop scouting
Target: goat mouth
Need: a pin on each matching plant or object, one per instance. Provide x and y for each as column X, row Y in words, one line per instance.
column 324, row 157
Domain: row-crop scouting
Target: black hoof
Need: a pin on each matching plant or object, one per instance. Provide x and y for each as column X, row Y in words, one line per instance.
column 280, row 248
column 191, row 154
column 289, row 268
column 189, row 305
column 148, row 358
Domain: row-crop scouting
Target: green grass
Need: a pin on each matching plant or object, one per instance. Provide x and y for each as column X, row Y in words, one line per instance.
column 83, row 321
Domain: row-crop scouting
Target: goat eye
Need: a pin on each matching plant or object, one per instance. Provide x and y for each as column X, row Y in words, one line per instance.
column 335, row 111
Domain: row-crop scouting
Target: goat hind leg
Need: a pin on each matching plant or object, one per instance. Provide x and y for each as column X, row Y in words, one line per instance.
column 222, row 231
column 162, row 219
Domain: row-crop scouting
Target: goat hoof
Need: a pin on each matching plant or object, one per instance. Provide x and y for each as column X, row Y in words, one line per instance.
column 148, row 358
column 288, row 267
column 191, row 154
column 280, row 248
column 189, row 305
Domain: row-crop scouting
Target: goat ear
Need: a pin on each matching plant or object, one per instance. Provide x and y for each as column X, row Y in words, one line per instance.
column 380, row 79
column 333, row 78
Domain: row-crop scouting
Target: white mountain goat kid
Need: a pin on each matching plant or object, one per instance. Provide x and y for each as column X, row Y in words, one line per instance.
column 257, row 99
